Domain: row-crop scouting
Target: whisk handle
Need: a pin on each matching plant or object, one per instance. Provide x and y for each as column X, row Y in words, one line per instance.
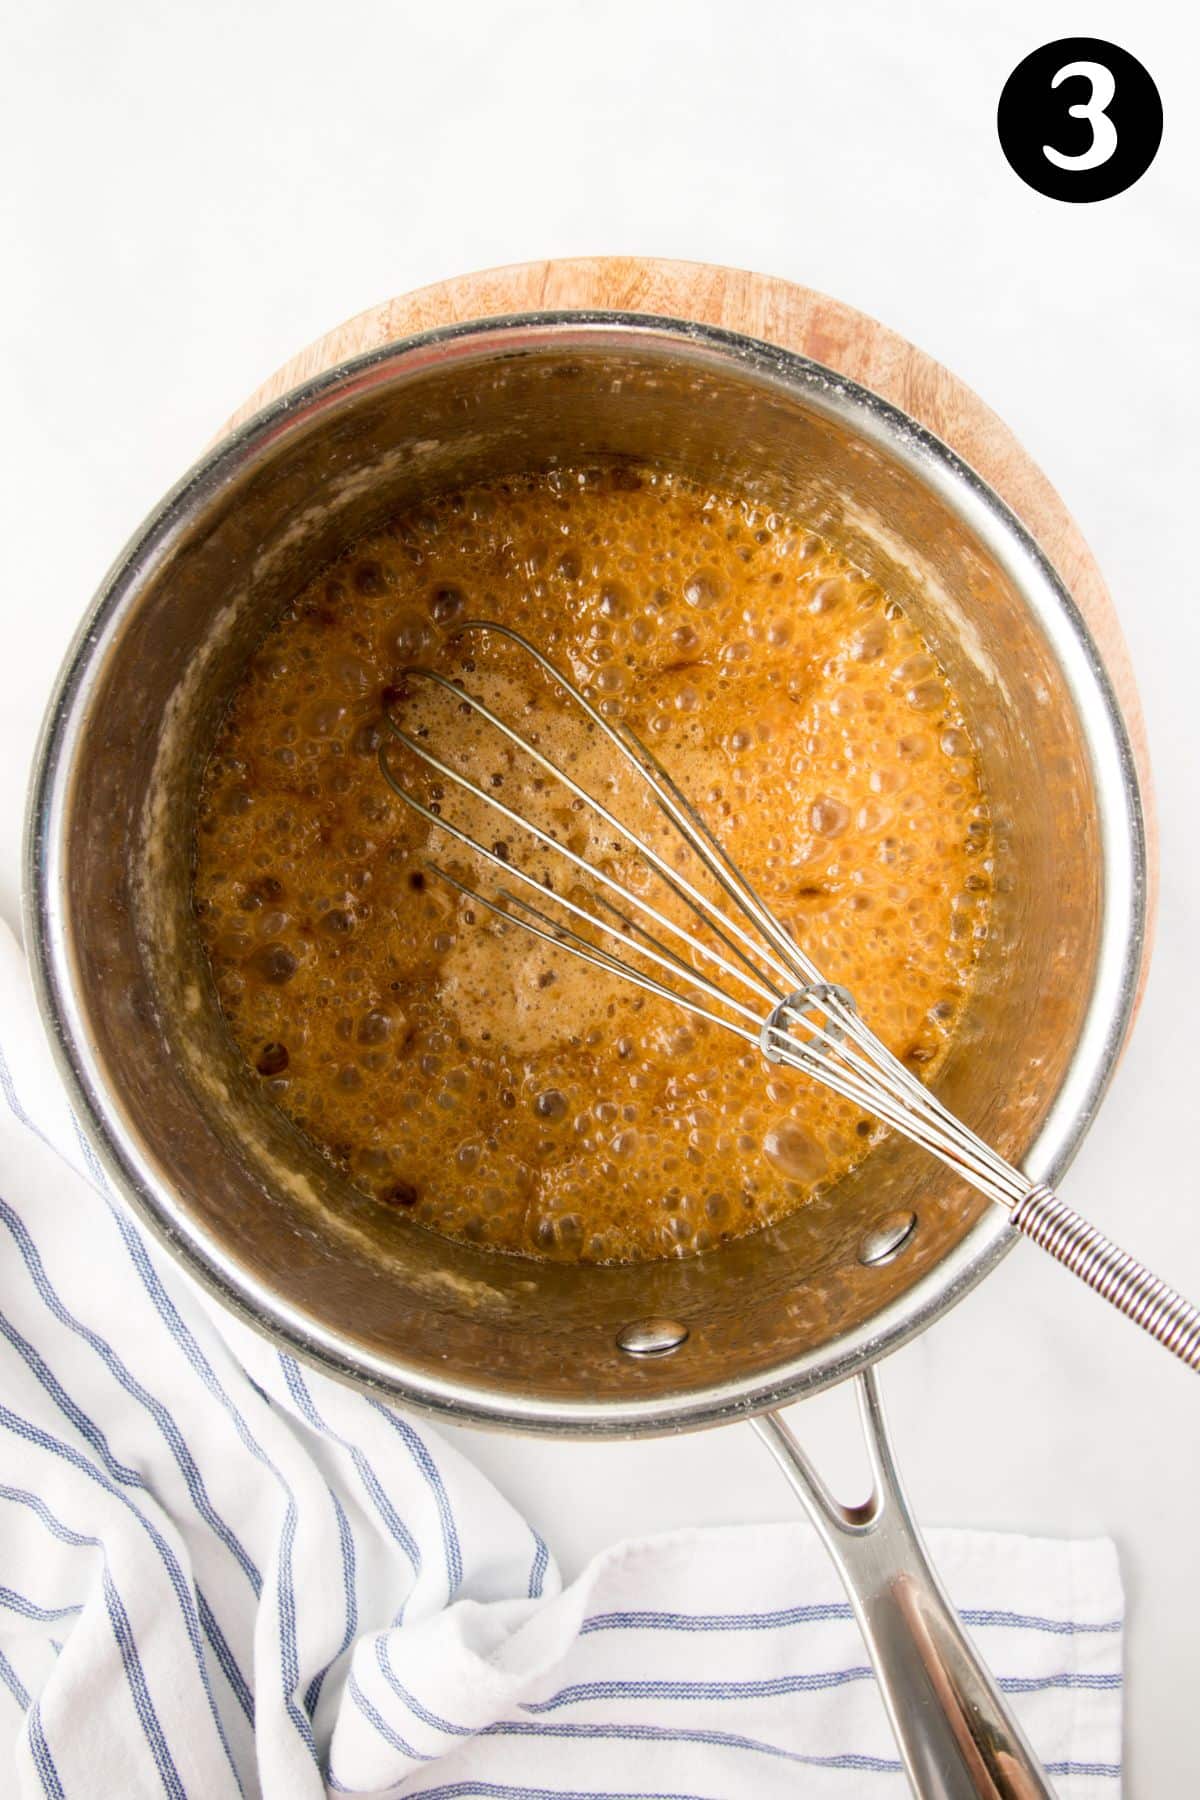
column 1125, row 1282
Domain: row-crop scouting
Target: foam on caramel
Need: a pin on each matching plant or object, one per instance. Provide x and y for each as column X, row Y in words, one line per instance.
column 488, row 1085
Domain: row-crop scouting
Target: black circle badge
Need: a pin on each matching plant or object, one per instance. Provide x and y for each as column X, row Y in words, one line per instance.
column 1080, row 119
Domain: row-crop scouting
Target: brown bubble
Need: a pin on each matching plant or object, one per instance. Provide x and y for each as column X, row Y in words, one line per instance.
column 373, row 1161
column 353, row 673
column 828, row 817
column 401, row 1193
column 368, row 737
column 323, row 719
column 369, row 578
column 614, row 600
column 262, row 891
column 446, row 602
column 870, row 642
column 276, row 964
column 926, row 696
column 409, row 637
column 827, row 595
column 375, row 1027
column 792, row 1151
column 703, row 588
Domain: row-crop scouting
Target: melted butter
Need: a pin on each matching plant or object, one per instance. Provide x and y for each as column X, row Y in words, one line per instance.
column 490, row 1086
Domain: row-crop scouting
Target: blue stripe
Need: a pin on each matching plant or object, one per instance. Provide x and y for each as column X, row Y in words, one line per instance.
column 494, row 1790
column 830, row 1609
column 648, row 1733
column 56, row 1528
column 988, row 1615
column 386, row 1731
column 39, row 1749
column 374, row 1792
column 201, row 1366
column 29, row 1609
column 242, row 1691
column 721, row 1740
column 1111, row 1770
column 643, row 1689
column 22, row 1428
column 127, row 1476
column 176, row 1442
column 875, row 1765
column 383, row 1658
column 717, row 1690
column 395, row 1524
column 349, row 1575
column 9, row 1091
column 289, row 1639
column 121, row 1476
column 501, row 1790
column 420, row 1454
column 1069, row 1678
column 287, row 1631
column 13, row 1682
column 541, row 1562
column 92, row 1162
column 672, row 1621
column 43, row 1761
column 85, row 1426
column 135, row 1675
column 819, row 1682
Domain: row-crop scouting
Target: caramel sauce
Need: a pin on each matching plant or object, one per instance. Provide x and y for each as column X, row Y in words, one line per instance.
column 489, row 1085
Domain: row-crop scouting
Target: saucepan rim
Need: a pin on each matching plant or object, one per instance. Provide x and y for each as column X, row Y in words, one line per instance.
column 1123, row 853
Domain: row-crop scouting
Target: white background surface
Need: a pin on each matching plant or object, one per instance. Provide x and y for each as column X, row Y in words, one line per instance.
column 196, row 191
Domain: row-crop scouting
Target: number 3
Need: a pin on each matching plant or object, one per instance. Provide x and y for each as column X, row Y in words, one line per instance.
column 1104, row 132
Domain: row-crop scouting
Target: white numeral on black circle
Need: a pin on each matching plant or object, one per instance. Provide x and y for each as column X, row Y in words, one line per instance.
column 1104, row 132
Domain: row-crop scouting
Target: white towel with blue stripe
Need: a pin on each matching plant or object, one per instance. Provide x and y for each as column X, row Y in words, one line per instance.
column 223, row 1574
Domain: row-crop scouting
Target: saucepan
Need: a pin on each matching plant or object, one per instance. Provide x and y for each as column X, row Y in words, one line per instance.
column 248, row 1207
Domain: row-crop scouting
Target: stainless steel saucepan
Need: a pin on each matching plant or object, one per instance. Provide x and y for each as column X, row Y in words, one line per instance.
column 251, row 1209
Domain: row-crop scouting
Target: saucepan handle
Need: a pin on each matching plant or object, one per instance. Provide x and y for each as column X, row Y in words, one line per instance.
column 957, row 1737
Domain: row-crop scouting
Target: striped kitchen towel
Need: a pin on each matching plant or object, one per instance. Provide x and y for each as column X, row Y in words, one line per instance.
column 222, row 1573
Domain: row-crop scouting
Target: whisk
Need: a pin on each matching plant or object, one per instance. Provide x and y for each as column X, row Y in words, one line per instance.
column 732, row 962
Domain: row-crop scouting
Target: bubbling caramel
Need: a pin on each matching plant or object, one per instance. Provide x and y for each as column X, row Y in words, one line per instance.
column 486, row 1084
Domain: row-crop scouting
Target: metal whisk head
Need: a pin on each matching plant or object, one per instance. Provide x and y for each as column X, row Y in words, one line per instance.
column 677, row 918
column 681, row 921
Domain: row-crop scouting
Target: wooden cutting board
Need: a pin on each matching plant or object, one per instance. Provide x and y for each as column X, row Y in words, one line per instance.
column 799, row 319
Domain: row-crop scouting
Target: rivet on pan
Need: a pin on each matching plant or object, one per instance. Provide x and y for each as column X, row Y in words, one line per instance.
column 886, row 1238
column 651, row 1337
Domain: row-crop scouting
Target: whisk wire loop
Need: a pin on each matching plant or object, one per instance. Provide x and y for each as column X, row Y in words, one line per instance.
column 683, row 888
